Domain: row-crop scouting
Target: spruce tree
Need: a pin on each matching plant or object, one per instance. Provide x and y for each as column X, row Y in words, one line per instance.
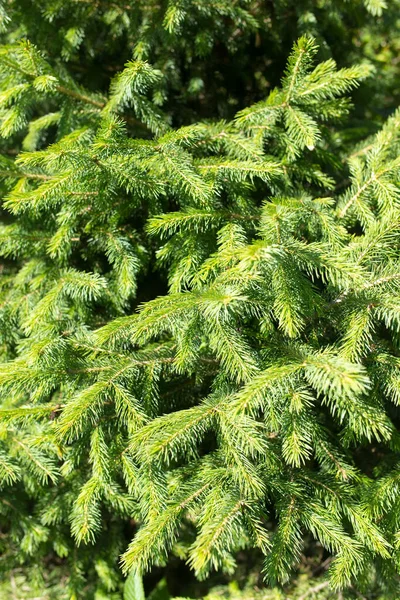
column 200, row 298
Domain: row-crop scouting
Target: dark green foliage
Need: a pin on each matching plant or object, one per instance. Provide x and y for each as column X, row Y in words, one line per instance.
column 200, row 298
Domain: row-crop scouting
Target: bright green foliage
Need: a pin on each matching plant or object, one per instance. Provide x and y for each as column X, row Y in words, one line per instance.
column 200, row 298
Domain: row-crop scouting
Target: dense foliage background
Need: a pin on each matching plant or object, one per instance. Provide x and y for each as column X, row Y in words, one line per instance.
column 199, row 299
